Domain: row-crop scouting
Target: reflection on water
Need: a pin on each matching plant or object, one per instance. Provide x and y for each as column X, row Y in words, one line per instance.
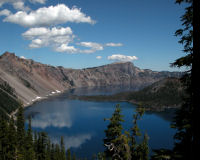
column 82, row 124
column 74, row 141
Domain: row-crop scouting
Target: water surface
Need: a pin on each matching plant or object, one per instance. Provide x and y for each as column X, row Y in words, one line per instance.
column 82, row 124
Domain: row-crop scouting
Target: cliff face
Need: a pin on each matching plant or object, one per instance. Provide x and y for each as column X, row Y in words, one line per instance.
column 32, row 80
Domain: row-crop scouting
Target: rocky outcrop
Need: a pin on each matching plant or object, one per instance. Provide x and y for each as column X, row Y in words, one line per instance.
column 32, row 80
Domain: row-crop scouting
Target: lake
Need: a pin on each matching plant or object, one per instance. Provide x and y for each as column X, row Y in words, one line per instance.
column 82, row 124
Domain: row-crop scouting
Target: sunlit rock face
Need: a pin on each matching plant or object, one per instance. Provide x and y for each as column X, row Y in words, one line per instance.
column 31, row 79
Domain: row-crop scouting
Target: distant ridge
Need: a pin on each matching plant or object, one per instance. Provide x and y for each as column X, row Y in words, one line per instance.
column 33, row 80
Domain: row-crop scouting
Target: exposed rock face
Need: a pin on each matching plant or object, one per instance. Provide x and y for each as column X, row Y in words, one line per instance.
column 33, row 80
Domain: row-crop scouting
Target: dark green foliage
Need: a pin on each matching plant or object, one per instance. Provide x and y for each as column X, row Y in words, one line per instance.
column 29, row 147
column 62, row 149
column 12, row 140
column 4, row 141
column 139, row 151
column 8, row 100
column 20, row 134
column 186, row 121
column 18, row 144
column 113, row 134
column 68, row 154
column 124, row 146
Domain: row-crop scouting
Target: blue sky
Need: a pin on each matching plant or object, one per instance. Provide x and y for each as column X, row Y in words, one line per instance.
column 88, row 33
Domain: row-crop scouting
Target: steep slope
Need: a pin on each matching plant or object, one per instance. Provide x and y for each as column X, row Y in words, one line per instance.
column 32, row 80
column 8, row 99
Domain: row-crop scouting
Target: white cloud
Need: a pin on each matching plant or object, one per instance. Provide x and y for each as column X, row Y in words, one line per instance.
column 114, row 44
column 98, row 57
column 48, row 16
column 38, row 1
column 22, row 57
column 66, row 48
column 4, row 12
column 19, row 4
column 92, row 45
column 120, row 57
column 57, row 38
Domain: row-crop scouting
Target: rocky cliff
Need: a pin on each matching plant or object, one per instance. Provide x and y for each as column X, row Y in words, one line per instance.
column 32, row 80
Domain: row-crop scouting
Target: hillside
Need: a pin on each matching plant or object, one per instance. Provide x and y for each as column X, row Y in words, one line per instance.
column 166, row 93
column 32, row 80
column 8, row 99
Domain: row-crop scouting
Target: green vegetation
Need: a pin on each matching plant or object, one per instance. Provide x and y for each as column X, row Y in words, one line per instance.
column 158, row 96
column 186, row 121
column 8, row 100
column 16, row 143
column 121, row 145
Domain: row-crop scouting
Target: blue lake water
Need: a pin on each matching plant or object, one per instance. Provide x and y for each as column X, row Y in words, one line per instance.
column 82, row 124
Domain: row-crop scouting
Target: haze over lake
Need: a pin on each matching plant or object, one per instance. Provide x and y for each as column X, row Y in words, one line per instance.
column 82, row 124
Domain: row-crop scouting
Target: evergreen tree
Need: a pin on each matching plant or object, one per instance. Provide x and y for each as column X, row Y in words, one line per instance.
column 57, row 152
column 4, row 141
column 29, row 147
column 115, row 142
column 20, row 134
column 138, row 151
column 52, row 152
column 12, row 140
column 62, row 146
column 68, row 154
column 187, row 117
column 74, row 157
column 48, row 150
column 41, row 146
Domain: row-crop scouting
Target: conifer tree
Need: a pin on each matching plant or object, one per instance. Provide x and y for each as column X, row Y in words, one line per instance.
column 116, row 143
column 20, row 134
column 12, row 140
column 4, row 141
column 62, row 146
column 68, row 154
column 114, row 130
column 29, row 147
column 48, row 150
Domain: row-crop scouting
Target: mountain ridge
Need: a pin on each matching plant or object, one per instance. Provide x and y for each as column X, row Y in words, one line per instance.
column 33, row 80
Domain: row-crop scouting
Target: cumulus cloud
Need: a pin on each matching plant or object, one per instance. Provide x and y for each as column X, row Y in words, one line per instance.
column 114, row 44
column 20, row 4
column 58, row 38
column 48, row 16
column 38, row 1
column 66, row 48
column 22, row 57
column 4, row 12
column 92, row 45
column 120, row 57
column 98, row 57
column 17, row 4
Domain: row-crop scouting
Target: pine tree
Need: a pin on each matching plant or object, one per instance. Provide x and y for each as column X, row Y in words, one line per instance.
column 139, row 151
column 116, row 143
column 4, row 141
column 48, row 150
column 68, row 154
column 62, row 146
column 12, row 140
column 114, row 130
column 20, row 134
column 57, row 152
column 29, row 147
